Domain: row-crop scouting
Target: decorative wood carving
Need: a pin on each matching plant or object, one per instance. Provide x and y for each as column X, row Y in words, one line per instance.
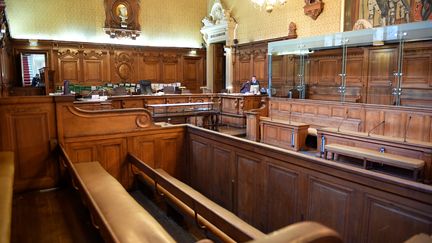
column 123, row 64
column 313, row 8
column 121, row 18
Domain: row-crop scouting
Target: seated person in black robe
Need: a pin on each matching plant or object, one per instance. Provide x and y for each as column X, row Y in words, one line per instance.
column 245, row 88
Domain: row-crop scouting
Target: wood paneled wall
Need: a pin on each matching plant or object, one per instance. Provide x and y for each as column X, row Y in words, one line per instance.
column 370, row 71
column 96, row 64
column 28, row 128
column 270, row 188
column 107, row 136
column 367, row 116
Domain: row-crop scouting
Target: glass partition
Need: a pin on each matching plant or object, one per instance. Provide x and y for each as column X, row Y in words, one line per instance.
column 388, row 65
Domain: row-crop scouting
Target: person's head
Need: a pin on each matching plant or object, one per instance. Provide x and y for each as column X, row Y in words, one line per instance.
column 253, row 79
column 37, row 75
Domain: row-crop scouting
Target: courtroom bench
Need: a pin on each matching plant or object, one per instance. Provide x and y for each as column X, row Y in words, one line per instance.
column 206, row 213
column 223, row 223
column 368, row 155
column 410, row 149
column 113, row 211
column 6, row 193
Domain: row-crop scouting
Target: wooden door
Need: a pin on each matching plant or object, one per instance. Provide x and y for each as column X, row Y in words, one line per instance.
column 218, row 68
column 382, row 65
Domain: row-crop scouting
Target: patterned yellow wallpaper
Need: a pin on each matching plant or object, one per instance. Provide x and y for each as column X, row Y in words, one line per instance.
column 258, row 25
column 163, row 22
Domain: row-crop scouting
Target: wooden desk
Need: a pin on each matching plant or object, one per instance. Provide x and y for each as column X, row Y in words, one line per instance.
column 396, row 146
column 233, row 106
column 284, row 134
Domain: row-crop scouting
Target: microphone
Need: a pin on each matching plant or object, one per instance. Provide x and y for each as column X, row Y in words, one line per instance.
column 340, row 124
column 406, row 129
column 375, row 127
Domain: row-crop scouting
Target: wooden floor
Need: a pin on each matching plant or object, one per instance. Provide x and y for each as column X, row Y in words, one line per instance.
column 52, row 216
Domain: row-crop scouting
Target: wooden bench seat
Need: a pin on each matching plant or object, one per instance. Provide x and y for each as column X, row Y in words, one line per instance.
column 114, row 212
column 126, row 218
column 218, row 218
column 368, row 155
column 221, row 219
column 6, row 192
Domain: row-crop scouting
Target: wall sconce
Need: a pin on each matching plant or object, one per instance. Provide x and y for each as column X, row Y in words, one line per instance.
column 33, row 42
column 193, row 52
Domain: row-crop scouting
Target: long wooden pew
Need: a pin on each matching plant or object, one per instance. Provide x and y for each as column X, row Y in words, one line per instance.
column 6, row 192
column 224, row 224
column 114, row 212
column 407, row 154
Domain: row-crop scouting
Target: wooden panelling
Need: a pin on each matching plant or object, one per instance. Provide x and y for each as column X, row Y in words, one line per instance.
column 391, row 221
column 199, row 166
column 95, row 67
column 220, row 168
column 69, row 69
column 369, row 73
column 248, row 190
column 417, row 67
column 362, row 206
column 112, row 152
column 283, row 206
column 83, row 152
column 330, row 204
column 358, row 117
column 107, row 136
column 97, row 64
column 28, row 129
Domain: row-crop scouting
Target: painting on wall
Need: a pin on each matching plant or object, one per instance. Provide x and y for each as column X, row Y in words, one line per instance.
column 386, row 12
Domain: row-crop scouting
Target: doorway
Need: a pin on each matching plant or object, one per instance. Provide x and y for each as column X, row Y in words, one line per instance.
column 219, row 65
column 30, row 65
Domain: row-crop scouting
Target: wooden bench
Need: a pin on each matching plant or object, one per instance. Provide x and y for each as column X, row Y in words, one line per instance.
column 409, row 148
column 368, row 155
column 114, row 212
column 221, row 222
column 6, row 192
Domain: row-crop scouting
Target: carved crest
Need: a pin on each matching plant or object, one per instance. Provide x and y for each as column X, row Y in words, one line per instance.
column 121, row 18
column 313, row 8
column 123, row 63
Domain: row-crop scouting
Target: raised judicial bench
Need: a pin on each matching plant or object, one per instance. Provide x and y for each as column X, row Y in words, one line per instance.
column 114, row 212
column 6, row 194
column 368, row 155
column 223, row 223
column 285, row 134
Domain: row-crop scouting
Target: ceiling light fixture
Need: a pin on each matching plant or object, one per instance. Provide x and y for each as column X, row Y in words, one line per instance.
column 268, row 5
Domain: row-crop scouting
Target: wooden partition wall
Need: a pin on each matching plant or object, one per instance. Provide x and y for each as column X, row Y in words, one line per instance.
column 107, row 136
column 97, row 64
column 28, row 128
column 370, row 71
column 415, row 122
column 270, row 187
